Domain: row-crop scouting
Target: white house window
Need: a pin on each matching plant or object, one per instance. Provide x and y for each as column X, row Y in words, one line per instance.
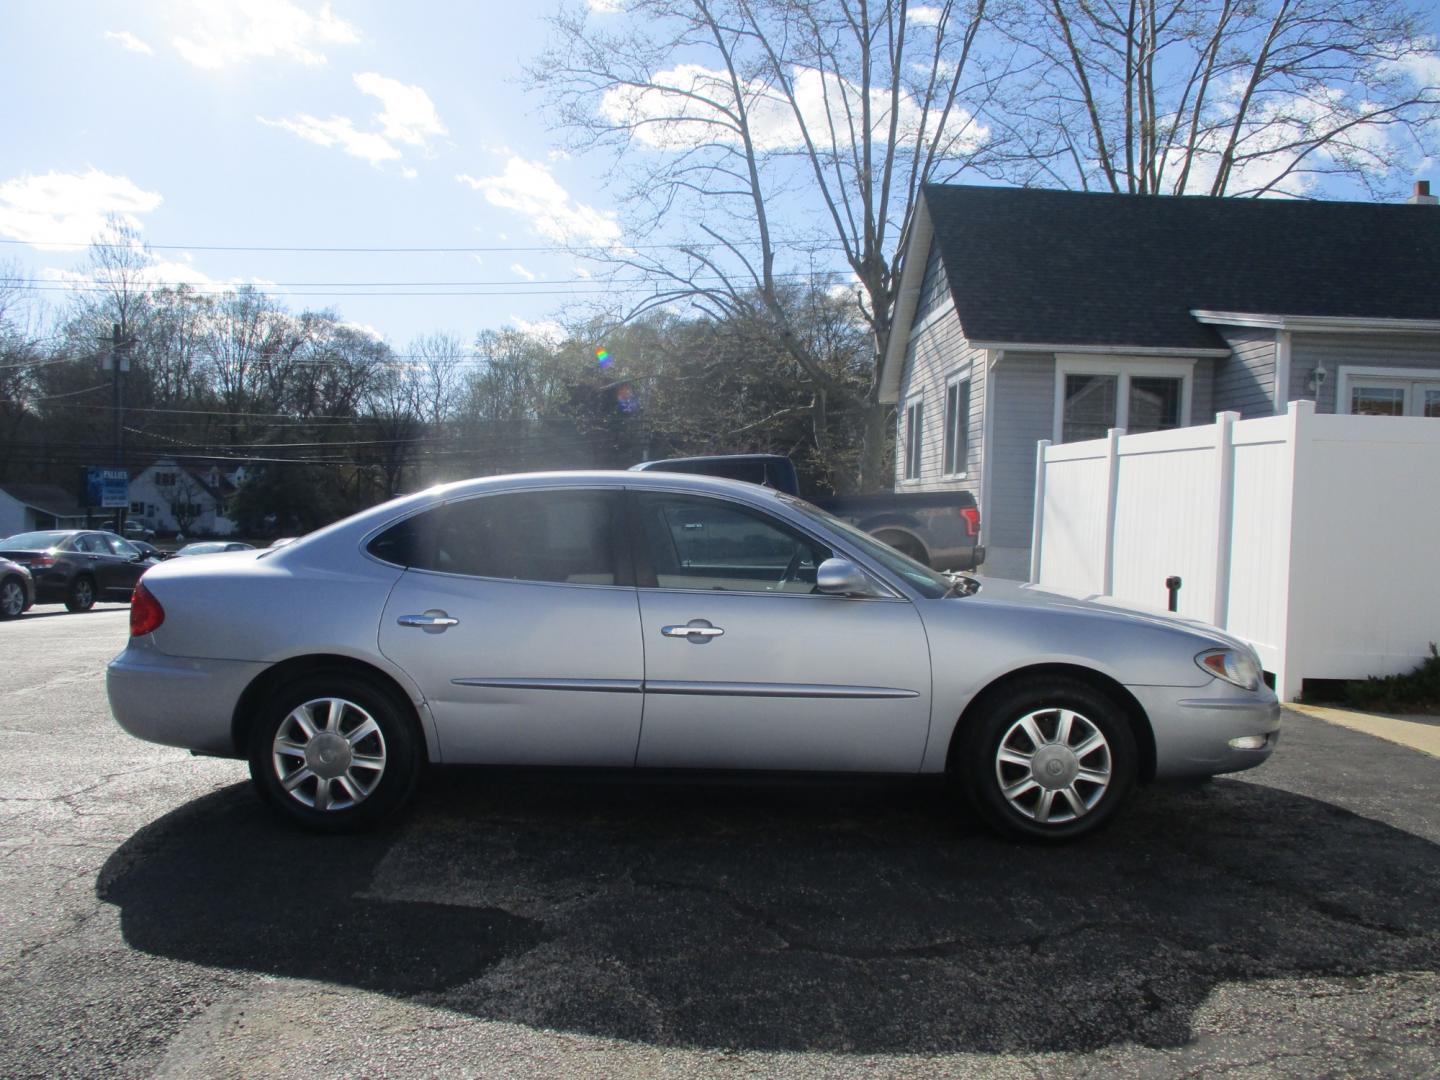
column 957, row 427
column 137, row 508
column 1388, row 392
column 164, row 479
column 914, row 432
column 1094, row 395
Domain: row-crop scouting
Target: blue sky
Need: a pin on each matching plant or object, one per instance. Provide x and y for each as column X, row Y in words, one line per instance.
column 293, row 123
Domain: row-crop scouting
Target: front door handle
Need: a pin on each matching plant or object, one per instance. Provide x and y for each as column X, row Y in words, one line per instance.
column 431, row 620
column 696, row 631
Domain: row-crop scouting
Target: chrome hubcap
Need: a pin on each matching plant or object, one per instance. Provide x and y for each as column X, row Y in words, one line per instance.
column 83, row 592
column 329, row 754
column 12, row 598
column 1053, row 766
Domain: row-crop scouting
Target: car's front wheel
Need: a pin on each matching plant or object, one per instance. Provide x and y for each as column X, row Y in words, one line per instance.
column 82, row 594
column 335, row 753
column 1050, row 761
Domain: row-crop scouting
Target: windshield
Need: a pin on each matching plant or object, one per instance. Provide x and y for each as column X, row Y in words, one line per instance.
column 35, row 541
column 927, row 582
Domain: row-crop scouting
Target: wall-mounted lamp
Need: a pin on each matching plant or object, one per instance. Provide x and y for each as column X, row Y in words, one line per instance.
column 1317, row 379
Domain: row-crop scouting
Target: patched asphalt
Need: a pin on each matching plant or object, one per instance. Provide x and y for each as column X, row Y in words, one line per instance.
column 159, row 921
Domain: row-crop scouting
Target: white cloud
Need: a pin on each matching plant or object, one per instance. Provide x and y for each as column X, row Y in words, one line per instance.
column 604, row 7
column 925, row 16
column 408, row 115
column 529, row 188
column 583, row 273
column 520, row 271
column 225, row 32
column 57, row 210
column 165, row 274
column 129, row 42
column 676, row 114
column 545, row 329
column 339, row 131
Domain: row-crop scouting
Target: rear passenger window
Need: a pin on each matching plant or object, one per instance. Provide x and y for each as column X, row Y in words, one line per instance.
column 551, row 536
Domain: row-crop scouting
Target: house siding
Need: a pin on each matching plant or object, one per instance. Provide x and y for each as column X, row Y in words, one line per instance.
column 1245, row 381
column 1024, row 385
column 937, row 351
column 1330, row 351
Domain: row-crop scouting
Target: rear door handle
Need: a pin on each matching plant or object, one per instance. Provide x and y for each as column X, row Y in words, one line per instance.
column 431, row 620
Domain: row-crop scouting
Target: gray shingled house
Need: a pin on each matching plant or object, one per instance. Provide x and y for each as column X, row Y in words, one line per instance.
column 1027, row 314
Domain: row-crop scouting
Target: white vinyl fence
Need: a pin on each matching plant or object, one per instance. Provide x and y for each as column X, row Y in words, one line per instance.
column 1314, row 537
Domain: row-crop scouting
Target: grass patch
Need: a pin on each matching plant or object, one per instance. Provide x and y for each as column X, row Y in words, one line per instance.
column 1417, row 691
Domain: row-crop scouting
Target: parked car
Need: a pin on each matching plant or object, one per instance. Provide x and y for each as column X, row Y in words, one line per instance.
column 529, row 620
column 132, row 530
column 938, row 528
column 17, row 589
column 76, row 567
column 213, row 547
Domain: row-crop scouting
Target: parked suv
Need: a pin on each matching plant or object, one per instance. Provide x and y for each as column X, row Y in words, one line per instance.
column 76, row 567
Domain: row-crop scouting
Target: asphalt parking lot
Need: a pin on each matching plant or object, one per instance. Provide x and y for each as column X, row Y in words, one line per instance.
column 156, row 922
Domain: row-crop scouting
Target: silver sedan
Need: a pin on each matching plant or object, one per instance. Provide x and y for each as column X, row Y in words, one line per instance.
column 652, row 620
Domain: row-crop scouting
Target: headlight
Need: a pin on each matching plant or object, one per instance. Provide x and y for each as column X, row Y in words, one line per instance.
column 1235, row 667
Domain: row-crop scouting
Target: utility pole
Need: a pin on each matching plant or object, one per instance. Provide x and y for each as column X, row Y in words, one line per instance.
column 119, row 361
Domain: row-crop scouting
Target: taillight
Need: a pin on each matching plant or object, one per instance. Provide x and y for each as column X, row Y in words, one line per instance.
column 146, row 614
column 41, row 562
column 971, row 514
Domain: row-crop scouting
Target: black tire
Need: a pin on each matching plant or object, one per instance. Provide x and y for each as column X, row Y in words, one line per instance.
column 81, row 596
column 12, row 597
column 396, row 743
column 1077, row 805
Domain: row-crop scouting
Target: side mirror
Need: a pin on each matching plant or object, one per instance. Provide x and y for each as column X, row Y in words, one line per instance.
column 841, row 577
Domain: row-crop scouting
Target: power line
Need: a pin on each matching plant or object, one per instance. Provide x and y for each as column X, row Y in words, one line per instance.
column 555, row 249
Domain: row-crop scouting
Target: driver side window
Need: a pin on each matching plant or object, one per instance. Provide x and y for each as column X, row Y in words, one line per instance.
column 699, row 543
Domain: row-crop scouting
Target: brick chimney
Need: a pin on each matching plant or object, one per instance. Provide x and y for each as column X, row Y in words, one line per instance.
column 1422, row 194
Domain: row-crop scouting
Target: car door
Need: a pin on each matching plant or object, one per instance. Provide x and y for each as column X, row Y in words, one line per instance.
column 94, row 555
column 122, row 570
column 746, row 666
column 517, row 617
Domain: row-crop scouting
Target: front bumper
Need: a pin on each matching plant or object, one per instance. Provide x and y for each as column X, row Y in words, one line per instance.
column 1194, row 726
column 177, row 701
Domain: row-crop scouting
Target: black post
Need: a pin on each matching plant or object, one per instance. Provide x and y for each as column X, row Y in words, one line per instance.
column 1173, row 583
column 117, row 403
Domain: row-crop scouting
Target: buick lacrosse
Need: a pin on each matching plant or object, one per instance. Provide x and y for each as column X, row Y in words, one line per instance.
column 653, row 620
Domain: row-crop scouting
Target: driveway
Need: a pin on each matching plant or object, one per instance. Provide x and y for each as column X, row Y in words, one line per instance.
column 159, row 923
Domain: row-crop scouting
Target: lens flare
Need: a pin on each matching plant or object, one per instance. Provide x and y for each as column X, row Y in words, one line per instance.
column 603, row 355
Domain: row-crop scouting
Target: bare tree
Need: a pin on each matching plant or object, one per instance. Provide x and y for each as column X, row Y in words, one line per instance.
column 778, row 138
column 436, row 376
column 1215, row 97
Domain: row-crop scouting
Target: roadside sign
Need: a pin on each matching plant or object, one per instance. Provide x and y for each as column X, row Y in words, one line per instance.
column 107, row 488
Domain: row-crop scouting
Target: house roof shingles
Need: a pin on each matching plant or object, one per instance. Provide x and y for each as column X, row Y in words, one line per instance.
column 1075, row 268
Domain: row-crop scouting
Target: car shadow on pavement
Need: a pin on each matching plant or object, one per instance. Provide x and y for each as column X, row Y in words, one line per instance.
column 788, row 918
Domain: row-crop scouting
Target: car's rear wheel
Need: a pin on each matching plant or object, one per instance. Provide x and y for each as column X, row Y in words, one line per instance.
column 906, row 545
column 1050, row 761
column 82, row 594
column 335, row 752
column 12, row 598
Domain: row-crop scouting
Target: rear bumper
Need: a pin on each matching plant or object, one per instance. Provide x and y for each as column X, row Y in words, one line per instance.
column 177, row 701
column 1194, row 727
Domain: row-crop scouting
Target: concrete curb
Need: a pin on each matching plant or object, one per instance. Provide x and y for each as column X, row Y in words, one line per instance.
column 1418, row 732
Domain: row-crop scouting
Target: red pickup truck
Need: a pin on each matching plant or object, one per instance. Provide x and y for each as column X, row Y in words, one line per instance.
column 938, row 528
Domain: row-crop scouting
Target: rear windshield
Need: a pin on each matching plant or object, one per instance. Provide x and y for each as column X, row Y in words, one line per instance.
column 36, row 541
